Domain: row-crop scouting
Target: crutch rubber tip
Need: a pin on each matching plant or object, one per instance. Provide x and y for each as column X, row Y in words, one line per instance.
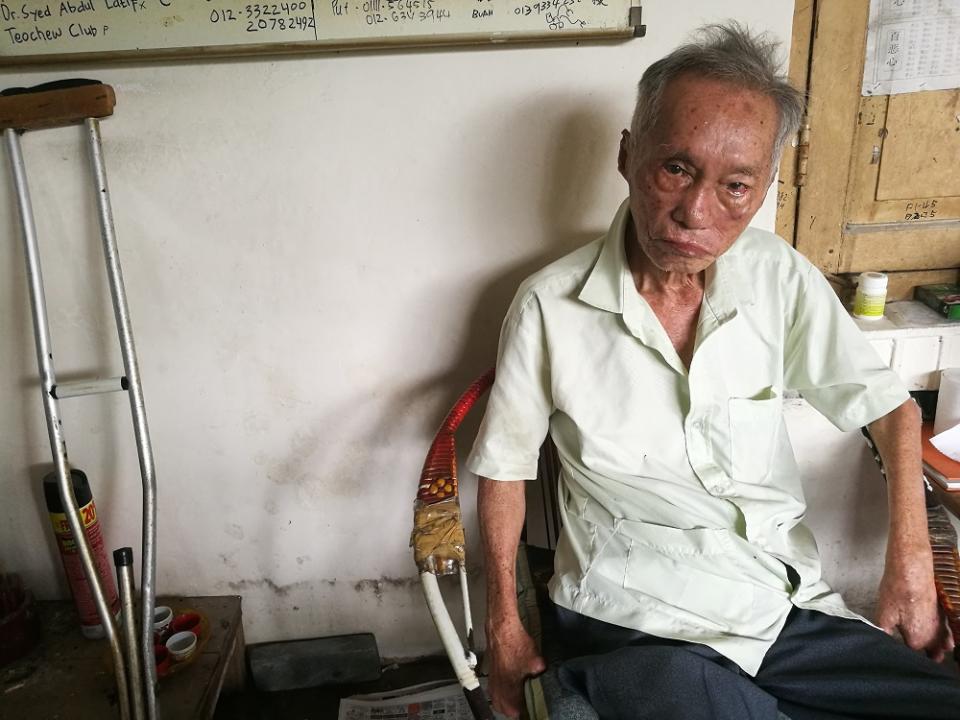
column 479, row 705
column 123, row 556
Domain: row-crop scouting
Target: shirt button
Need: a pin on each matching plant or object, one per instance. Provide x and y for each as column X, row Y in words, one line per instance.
column 717, row 489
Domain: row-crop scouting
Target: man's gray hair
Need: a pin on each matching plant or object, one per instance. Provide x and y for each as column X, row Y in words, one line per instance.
column 724, row 52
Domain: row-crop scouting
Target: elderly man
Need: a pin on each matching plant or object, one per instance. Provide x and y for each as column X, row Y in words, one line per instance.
column 657, row 357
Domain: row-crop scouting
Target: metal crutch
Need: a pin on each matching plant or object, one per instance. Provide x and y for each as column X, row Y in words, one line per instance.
column 123, row 561
column 57, row 105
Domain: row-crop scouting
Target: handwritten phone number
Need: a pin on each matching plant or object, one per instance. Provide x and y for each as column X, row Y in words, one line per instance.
column 267, row 10
column 268, row 16
column 546, row 6
column 401, row 17
column 290, row 23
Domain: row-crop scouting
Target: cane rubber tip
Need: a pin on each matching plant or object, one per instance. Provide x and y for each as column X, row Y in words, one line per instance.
column 123, row 556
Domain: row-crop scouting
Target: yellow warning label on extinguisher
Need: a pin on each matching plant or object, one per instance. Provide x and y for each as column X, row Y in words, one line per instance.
column 88, row 514
column 73, row 564
column 61, row 527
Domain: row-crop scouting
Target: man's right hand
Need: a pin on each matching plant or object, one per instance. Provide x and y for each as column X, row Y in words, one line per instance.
column 511, row 653
column 513, row 657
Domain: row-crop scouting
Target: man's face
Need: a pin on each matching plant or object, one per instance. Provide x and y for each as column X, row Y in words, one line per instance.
column 700, row 174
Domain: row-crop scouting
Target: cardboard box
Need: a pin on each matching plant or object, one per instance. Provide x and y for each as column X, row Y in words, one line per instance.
column 944, row 298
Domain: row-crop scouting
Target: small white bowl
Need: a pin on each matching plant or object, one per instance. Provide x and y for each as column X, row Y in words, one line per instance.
column 182, row 644
column 162, row 616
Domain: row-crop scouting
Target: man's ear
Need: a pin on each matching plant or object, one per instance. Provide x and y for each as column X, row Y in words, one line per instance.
column 623, row 156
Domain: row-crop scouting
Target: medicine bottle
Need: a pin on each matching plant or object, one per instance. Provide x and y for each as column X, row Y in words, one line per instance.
column 871, row 295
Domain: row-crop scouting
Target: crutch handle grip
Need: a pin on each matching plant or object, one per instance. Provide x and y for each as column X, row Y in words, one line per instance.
column 55, row 104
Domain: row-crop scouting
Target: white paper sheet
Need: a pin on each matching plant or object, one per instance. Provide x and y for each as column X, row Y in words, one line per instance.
column 948, row 401
column 443, row 701
column 912, row 45
column 948, row 442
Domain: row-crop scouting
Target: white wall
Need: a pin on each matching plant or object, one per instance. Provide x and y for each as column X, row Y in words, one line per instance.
column 847, row 503
column 318, row 253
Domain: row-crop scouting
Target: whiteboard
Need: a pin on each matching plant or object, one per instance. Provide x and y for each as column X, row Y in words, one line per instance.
column 36, row 31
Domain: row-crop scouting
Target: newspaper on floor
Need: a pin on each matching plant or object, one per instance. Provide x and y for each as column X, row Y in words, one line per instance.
column 441, row 699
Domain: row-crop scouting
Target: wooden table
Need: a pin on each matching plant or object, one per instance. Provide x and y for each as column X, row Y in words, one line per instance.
column 70, row 678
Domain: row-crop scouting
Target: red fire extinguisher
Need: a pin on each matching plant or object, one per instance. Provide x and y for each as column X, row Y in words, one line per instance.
column 90, row 624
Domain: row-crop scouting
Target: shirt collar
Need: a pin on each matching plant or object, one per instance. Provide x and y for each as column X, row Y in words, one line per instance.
column 728, row 283
column 732, row 279
column 719, row 296
column 604, row 285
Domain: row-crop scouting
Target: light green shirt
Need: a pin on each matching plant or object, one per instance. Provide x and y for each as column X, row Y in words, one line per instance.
column 680, row 496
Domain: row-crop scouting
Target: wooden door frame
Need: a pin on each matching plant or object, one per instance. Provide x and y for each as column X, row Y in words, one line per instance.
column 815, row 217
column 801, row 46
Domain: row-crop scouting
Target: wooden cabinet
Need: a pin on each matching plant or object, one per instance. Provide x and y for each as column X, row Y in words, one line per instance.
column 70, row 678
column 874, row 182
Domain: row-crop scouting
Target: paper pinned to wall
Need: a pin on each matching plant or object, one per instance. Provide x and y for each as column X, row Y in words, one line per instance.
column 912, row 45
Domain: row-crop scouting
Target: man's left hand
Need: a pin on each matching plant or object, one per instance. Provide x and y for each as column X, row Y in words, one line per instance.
column 908, row 603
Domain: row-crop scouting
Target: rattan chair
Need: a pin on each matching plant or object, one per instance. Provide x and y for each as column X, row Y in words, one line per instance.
column 438, row 542
column 946, row 558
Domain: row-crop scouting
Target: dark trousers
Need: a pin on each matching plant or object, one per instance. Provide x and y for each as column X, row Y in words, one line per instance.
column 820, row 668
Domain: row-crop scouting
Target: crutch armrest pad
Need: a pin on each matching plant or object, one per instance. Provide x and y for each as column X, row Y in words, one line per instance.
column 55, row 104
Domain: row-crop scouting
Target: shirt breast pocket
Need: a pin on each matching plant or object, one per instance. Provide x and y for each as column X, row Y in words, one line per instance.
column 754, row 432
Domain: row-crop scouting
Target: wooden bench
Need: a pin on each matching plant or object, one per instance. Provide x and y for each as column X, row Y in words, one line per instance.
column 70, row 677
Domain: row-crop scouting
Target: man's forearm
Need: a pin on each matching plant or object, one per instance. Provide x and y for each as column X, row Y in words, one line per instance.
column 501, row 508
column 907, row 600
column 897, row 436
column 511, row 653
